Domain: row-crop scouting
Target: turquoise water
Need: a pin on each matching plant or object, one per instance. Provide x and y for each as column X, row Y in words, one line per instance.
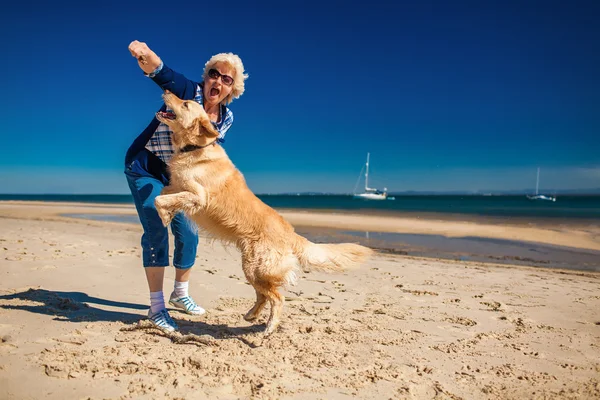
column 566, row 207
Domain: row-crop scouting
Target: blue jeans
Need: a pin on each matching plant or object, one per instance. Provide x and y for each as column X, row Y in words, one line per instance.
column 145, row 187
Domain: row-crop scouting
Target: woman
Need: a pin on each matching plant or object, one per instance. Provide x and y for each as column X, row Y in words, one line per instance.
column 146, row 172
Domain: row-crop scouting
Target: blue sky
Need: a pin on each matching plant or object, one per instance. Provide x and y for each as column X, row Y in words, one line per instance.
column 445, row 95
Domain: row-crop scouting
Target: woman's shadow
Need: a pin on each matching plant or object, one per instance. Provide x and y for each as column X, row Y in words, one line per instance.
column 78, row 307
column 69, row 306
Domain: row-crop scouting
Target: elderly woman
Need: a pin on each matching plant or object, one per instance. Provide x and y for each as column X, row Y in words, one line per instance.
column 146, row 172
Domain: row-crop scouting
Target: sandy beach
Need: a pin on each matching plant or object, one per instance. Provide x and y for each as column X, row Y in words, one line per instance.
column 73, row 300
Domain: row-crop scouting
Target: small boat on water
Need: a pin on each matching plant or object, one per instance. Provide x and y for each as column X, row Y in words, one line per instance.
column 371, row 193
column 538, row 196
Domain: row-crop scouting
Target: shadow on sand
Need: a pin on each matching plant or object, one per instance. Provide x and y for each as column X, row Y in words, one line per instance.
column 79, row 307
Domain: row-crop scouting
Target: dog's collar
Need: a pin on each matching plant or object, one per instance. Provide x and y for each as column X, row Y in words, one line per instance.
column 192, row 147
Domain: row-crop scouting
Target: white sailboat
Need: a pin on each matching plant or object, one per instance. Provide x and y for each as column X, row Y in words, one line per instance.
column 371, row 193
column 537, row 195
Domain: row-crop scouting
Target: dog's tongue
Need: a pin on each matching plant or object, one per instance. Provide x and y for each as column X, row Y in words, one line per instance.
column 167, row 114
column 214, row 92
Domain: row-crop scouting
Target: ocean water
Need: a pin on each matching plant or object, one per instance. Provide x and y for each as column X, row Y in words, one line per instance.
column 566, row 207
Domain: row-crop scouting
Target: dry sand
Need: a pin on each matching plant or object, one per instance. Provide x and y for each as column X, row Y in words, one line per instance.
column 73, row 293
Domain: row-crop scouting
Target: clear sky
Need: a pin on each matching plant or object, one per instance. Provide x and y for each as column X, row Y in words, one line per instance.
column 446, row 95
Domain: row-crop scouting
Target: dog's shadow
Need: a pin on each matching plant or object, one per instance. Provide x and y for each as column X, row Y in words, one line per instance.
column 78, row 307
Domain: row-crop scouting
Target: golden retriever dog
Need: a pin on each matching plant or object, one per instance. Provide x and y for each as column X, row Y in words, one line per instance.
column 209, row 189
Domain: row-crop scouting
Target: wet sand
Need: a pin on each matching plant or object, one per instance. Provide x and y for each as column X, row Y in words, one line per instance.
column 500, row 251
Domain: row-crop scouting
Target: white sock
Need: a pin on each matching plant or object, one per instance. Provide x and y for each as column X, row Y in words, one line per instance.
column 157, row 302
column 181, row 289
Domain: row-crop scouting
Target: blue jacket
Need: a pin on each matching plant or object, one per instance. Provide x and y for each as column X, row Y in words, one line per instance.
column 181, row 87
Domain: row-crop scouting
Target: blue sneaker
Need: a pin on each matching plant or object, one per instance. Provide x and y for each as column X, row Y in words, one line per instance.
column 163, row 320
column 186, row 304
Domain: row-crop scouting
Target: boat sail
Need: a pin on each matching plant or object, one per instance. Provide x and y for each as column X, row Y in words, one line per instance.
column 371, row 193
column 537, row 195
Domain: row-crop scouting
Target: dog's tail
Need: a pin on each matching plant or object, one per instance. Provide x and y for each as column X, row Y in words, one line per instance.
column 329, row 257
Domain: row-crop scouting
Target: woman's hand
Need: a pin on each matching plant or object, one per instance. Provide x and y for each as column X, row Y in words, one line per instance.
column 147, row 59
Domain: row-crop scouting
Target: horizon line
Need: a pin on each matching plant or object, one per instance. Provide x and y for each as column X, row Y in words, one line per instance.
column 515, row 192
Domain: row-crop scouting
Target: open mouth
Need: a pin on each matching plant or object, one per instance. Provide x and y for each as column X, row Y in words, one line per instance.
column 214, row 92
column 166, row 115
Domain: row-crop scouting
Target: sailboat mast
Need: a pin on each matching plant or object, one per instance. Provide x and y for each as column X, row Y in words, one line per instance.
column 537, row 182
column 367, row 173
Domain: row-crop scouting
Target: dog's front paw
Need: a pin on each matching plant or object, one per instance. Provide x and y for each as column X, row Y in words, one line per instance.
column 166, row 215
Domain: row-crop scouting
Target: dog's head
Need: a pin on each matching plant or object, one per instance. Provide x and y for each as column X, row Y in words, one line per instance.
column 188, row 121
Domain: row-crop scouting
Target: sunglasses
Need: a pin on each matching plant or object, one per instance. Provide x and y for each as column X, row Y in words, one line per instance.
column 226, row 79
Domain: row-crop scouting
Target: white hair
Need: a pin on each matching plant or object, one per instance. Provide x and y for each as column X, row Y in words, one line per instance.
column 235, row 62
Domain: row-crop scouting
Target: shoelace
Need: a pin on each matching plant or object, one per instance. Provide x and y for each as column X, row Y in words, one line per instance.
column 189, row 303
column 162, row 318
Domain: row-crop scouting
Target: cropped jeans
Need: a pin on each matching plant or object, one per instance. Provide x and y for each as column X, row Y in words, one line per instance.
column 147, row 176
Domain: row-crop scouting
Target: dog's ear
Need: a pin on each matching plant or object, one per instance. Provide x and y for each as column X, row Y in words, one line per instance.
column 207, row 129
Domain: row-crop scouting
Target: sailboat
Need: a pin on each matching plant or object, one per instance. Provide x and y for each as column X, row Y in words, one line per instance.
column 537, row 195
column 371, row 193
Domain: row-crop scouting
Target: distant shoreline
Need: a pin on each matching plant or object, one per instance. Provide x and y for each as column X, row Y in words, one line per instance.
column 471, row 248
column 510, row 210
column 512, row 220
column 576, row 234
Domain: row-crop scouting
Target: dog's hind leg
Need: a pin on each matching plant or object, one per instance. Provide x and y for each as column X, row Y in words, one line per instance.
column 168, row 205
column 265, row 285
column 276, row 300
column 249, row 267
column 254, row 312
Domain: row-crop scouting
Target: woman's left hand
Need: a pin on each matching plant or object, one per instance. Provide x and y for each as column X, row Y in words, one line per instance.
column 147, row 59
